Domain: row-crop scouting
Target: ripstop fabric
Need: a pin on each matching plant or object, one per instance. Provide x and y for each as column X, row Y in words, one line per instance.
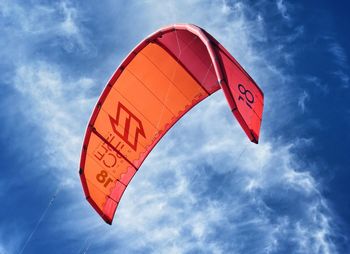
column 161, row 79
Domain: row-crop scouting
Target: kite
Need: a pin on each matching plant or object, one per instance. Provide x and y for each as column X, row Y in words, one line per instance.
column 161, row 79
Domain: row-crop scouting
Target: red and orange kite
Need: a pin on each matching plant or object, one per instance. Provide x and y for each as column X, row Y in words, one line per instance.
column 160, row 80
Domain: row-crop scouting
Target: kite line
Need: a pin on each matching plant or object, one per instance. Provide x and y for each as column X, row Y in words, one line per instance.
column 40, row 219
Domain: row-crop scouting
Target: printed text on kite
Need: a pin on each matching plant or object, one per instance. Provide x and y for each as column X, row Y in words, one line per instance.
column 160, row 80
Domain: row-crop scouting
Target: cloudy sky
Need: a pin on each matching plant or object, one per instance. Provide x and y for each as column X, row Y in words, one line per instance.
column 205, row 188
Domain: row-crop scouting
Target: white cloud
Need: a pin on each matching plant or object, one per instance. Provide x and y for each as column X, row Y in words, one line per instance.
column 318, row 83
column 69, row 25
column 56, row 25
column 338, row 52
column 9, row 242
column 340, row 58
column 281, row 6
column 303, row 98
column 59, row 107
column 343, row 77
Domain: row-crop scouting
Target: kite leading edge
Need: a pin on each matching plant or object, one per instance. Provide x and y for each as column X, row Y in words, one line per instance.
column 166, row 75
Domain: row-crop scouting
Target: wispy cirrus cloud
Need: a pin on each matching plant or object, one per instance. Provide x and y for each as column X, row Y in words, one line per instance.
column 343, row 77
column 303, row 98
column 338, row 52
column 9, row 242
column 340, row 58
column 28, row 27
column 282, row 8
column 318, row 83
column 58, row 105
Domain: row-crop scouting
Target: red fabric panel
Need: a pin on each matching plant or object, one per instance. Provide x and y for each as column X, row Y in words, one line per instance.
column 246, row 94
column 193, row 54
column 118, row 190
column 109, row 210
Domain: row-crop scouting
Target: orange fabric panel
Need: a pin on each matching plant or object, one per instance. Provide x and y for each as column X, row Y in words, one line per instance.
column 174, row 72
column 103, row 167
column 151, row 93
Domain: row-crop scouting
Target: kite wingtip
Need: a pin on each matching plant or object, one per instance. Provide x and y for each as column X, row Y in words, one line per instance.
column 107, row 220
column 254, row 138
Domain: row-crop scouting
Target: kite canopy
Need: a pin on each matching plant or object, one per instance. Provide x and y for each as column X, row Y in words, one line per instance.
column 160, row 80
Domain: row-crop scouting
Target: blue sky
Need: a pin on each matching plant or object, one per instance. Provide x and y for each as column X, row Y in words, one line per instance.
column 289, row 194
